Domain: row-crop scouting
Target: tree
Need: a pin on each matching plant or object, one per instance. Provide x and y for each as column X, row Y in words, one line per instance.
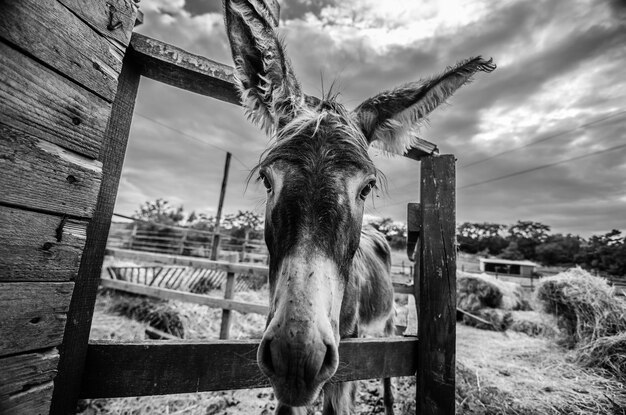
column 244, row 224
column 395, row 232
column 476, row 237
column 528, row 235
column 558, row 249
column 161, row 212
column 605, row 253
column 512, row 252
column 155, row 221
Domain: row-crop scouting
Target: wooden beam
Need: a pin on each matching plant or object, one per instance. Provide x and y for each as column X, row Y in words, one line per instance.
column 48, row 106
column 173, row 66
column 215, row 246
column 421, row 149
column 413, row 226
column 176, row 67
column 39, row 247
column 32, row 316
column 74, row 348
column 436, row 288
column 167, row 294
column 402, row 288
column 24, row 370
column 158, row 258
column 159, row 368
column 55, row 36
column 229, row 290
column 46, row 177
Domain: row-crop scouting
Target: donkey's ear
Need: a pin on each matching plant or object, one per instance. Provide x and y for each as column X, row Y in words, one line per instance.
column 270, row 93
column 393, row 116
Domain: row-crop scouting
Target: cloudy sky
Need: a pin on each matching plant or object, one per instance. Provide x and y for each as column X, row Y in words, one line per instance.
column 559, row 93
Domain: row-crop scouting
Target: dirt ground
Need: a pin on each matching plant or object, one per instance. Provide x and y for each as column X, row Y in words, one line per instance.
column 497, row 373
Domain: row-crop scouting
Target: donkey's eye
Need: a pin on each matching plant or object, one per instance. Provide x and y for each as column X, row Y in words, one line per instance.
column 266, row 183
column 367, row 189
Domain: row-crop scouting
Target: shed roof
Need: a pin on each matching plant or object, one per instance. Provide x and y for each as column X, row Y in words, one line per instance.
column 508, row 262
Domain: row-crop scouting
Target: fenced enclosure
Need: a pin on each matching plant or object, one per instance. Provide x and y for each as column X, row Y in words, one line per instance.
column 177, row 240
column 67, row 131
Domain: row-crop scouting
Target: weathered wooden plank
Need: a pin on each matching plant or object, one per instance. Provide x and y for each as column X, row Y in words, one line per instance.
column 421, row 149
column 188, row 261
column 437, row 288
column 74, row 348
column 159, row 368
column 114, row 19
column 40, row 175
column 35, row 401
column 39, row 247
column 173, row 66
column 39, row 101
column 229, row 290
column 402, row 288
column 51, row 33
column 25, row 370
column 32, row 315
column 169, row 294
column 413, row 226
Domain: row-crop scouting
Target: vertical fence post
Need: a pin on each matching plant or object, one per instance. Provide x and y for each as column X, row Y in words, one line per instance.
column 183, row 239
column 215, row 247
column 437, row 288
column 133, row 234
column 226, row 314
column 68, row 381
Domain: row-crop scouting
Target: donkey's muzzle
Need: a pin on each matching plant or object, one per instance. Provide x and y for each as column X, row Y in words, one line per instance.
column 297, row 365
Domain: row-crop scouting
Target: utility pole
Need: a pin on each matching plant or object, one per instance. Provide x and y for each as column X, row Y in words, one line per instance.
column 215, row 247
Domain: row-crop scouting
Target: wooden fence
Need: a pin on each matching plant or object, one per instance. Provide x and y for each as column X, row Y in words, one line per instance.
column 178, row 282
column 108, row 369
column 178, row 240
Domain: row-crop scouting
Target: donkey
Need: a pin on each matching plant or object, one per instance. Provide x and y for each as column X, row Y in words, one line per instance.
column 328, row 275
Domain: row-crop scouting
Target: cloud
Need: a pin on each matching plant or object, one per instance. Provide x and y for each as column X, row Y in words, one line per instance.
column 560, row 67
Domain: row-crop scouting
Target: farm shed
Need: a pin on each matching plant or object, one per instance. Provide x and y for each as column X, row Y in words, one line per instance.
column 520, row 272
column 69, row 75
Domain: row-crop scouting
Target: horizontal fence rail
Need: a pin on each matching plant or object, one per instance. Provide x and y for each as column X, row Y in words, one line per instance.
column 167, row 367
column 168, row 294
column 237, row 268
column 241, row 268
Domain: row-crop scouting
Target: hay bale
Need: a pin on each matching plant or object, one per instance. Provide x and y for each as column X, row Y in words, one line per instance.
column 585, row 306
column 608, row 353
column 498, row 319
column 159, row 314
column 533, row 323
column 478, row 291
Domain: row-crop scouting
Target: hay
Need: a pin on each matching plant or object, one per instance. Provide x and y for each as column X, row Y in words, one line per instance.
column 585, row 306
column 477, row 291
column 608, row 353
column 533, row 323
column 518, row 374
column 159, row 314
column 499, row 320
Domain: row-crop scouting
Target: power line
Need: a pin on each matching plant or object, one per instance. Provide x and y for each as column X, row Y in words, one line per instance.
column 184, row 134
column 518, row 173
column 541, row 140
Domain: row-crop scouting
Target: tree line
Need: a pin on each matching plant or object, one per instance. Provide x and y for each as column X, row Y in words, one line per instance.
column 533, row 241
column 529, row 240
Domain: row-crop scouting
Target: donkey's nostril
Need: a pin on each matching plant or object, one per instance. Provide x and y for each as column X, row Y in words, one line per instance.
column 330, row 363
column 267, row 365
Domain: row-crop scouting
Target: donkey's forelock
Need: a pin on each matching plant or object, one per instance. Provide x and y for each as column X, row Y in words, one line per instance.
column 326, row 132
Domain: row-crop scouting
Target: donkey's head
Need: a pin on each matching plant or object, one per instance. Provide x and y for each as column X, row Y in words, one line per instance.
column 318, row 174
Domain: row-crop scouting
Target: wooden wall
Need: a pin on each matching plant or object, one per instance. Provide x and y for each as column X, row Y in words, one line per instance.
column 59, row 67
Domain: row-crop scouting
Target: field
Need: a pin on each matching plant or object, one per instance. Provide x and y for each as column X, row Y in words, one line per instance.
column 497, row 373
